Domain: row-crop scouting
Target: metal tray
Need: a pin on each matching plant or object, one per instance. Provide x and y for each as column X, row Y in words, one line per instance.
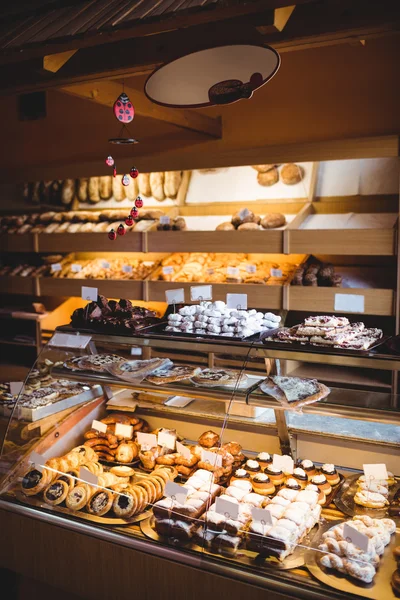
column 379, row 589
column 344, row 501
column 34, row 414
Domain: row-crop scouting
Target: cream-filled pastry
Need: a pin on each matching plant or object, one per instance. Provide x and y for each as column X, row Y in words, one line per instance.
column 293, row 484
column 262, row 484
column 330, row 473
column 300, row 476
column 252, row 466
column 321, row 495
column 309, row 468
column 322, row 484
column 240, row 474
column 264, row 459
column 275, row 474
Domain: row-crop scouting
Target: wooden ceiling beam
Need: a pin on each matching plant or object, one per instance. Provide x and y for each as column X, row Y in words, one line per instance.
column 54, row 62
column 106, row 92
column 281, row 17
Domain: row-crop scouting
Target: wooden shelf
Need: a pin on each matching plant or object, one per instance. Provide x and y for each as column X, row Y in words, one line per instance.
column 89, row 242
column 256, row 242
column 322, row 299
column 19, row 285
column 112, row 288
column 337, row 376
column 14, row 343
column 18, row 243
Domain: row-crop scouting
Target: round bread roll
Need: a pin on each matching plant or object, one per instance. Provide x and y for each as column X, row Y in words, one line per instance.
column 179, row 224
column 157, row 186
column 263, row 168
column 238, row 218
column 245, row 226
column 143, row 180
column 272, row 220
column 310, row 280
column 269, row 178
column 105, row 187
column 292, row 174
column 225, row 227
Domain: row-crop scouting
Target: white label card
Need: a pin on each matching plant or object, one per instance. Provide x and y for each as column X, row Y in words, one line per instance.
column 244, row 213
column 89, row 293
column 238, row 301
column 168, row 270
column 146, row 440
column 136, row 351
column 105, row 264
column 376, row 471
column 183, row 450
column 166, row 439
column 233, row 271
column 37, row 460
column 88, row 476
column 276, row 272
column 175, row 296
column 165, row 220
column 260, row 515
column 251, row 268
column 227, row 508
column 353, row 536
column 75, row 268
column 285, row 463
column 178, row 401
column 125, row 431
column 176, row 492
column 211, row 457
column 127, row 269
column 349, row 303
column 99, row 426
column 65, row 340
column 56, row 267
column 201, row 292
column 16, row 387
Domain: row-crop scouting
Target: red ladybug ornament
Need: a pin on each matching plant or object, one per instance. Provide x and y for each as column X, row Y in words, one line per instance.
column 123, row 109
column 125, row 180
column 129, row 221
column 109, row 161
column 134, row 172
column 134, row 213
column 121, row 229
column 114, row 171
column 112, row 235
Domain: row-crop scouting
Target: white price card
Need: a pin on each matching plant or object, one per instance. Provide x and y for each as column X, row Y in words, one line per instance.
column 99, row 426
column 229, row 509
column 261, row 515
column 376, row 471
column 201, row 292
column 350, row 303
column 211, row 457
column 244, row 213
column 166, row 439
column 124, row 431
column 75, row 268
column 183, row 450
column 65, row 340
column 285, row 463
column 175, row 296
column 127, row 269
column 238, row 301
column 178, row 401
column 136, row 351
column 165, row 220
column 251, row 268
column 276, row 272
column 353, row 536
column 232, row 271
column 146, row 440
column 87, row 476
column 168, row 270
column 16, row 387
column 89, row 293
column 176, row 492
column 37, row 460
column 56, row 267
column 105, row 264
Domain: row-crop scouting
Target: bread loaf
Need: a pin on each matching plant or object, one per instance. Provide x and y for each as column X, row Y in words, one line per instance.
column 68, row 191
column 143, row 180
column 118, row 190
column 93, row 190
column 105, row 187
column 291, row 174
column 131, row 190
column 268, row 178
column 157, row 186
column 172, row 181
column 83, row 185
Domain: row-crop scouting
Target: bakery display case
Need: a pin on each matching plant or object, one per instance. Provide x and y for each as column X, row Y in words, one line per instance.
column 180, row 435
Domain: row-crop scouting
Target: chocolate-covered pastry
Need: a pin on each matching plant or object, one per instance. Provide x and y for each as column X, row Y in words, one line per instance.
column 310, row 279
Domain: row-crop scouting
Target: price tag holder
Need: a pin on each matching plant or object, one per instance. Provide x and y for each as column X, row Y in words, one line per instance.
column 165, row 220
column 260, row 515
column 87, row 476
column 350, row 303
column 89, row 293
column 251, row 268
column 353, row 536
column 146, row 440
column 55, row 267
column 16, row 387
column 376, row 471
column 211, row 457
column 105, row 264
column 125, row 431
column 276, row 272
column 99, row 426
column 232, row 271
column 127, row 269
column 285, row 463
column 229, row 509
column 175, row 296
column 168, row 270
column 201, row 292
column 176, row 492
column 166, row 439
column 75, row 268
column 65, row 340
column 238, row 301
column 183, row 450
column 37, row 460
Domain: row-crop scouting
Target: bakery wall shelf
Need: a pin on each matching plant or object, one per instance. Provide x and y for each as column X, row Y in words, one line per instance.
column 89, row 242
column 19, row 285
column 18, row 243
column 322, row 299
column 50, row 286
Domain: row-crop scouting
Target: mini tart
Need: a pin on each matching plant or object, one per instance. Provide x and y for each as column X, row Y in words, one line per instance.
column 276, row 475
column 122, row 471
column 56, row 492
column 252, row 467
column 300, row 476
column 77, row 498
column 35, row 481
column 70, row 479
column 309, row 467
column 125, row 504
column 264, row 459
column 322, row 484
column 240, row 474
column 262, row 484
column 293, row 484
column 332, row 476
column 100, row 503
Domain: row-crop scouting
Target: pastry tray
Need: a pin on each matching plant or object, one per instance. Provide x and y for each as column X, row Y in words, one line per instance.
column 379, row 589
column 34, row 414
column 345, row 500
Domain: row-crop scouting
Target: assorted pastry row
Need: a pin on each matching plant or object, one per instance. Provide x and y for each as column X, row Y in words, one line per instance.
column 222, row 268
column 330, row 331
column 100, row 268
column 317, row 274
column 245, row 220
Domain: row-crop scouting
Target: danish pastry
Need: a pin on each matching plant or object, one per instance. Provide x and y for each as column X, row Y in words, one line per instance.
column 125, row 504
column 100, row 503
column 56, row 492
column 209, row 439
column 124, row 453
column 36, row 481
column 77, row 498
